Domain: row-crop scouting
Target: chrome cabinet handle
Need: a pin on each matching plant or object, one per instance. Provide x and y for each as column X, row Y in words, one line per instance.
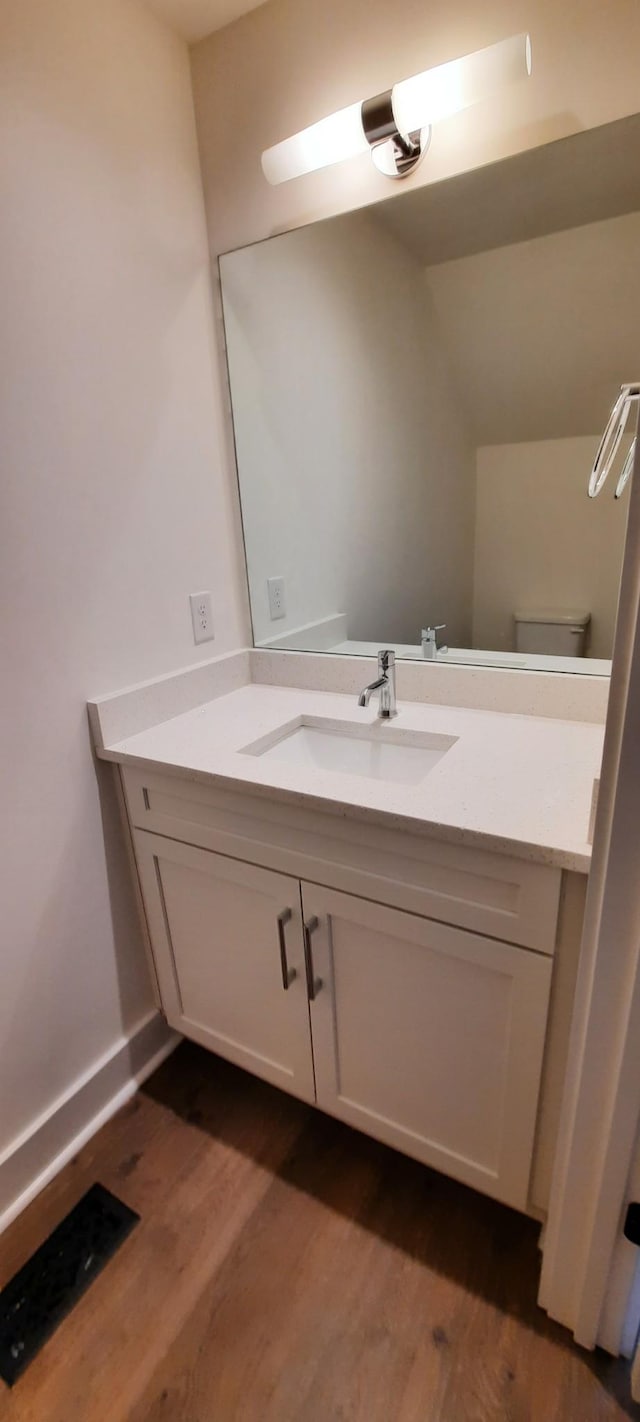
column 313, row 984
column 288, row 974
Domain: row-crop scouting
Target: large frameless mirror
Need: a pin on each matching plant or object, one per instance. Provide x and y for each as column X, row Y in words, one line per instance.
column 419, row 389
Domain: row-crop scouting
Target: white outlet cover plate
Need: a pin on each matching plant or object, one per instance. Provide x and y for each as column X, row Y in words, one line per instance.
column 202, row 616
column 275, row 589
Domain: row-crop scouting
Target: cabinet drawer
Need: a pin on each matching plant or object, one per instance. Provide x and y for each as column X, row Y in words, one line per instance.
column 494, row 894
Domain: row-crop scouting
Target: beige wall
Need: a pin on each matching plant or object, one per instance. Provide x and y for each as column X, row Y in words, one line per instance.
column 357, row 474
column 540, row 542
column 293, row 61
column 113, row 502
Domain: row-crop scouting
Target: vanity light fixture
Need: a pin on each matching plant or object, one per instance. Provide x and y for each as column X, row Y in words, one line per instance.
column 395, row 127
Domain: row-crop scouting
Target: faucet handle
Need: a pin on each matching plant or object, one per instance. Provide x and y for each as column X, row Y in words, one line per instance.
column 386, row 659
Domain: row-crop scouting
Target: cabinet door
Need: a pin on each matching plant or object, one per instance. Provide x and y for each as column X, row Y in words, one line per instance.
column 221, row 957
column 429, row 1038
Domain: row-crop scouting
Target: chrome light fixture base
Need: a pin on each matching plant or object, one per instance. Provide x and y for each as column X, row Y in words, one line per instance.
column 397, row 157
column 394, row 154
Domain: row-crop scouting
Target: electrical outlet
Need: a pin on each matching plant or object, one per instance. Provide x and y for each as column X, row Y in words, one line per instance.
column 275, row 589
column 202, row 616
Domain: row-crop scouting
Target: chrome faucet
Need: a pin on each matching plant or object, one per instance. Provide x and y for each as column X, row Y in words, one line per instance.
column 429, row 639
column 385, row 683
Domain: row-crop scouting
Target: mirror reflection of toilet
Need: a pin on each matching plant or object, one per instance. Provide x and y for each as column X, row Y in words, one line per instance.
column 553, row 632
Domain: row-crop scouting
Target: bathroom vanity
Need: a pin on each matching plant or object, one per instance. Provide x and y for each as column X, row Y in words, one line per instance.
column 383, row 919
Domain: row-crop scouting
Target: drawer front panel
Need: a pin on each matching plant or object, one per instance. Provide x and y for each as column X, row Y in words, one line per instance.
column 494, row 894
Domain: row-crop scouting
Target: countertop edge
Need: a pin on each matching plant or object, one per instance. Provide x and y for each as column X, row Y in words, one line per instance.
column 552, row 857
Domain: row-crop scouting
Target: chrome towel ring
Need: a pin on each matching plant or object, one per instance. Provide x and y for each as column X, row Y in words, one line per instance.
column 610, row 443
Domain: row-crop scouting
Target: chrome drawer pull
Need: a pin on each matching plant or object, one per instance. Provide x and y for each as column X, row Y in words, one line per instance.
column 288, row 974
column 313, row 984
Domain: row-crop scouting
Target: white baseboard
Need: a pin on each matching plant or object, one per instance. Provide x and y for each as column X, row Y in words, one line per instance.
column 35, row 1157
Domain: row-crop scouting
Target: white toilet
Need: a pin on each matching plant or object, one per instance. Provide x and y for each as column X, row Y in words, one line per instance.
column 552, row 632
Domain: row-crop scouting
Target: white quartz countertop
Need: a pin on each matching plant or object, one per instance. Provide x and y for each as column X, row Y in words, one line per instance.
column 517, row 784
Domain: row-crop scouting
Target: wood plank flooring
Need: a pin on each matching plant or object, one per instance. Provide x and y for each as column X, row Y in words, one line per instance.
column 287, row 1269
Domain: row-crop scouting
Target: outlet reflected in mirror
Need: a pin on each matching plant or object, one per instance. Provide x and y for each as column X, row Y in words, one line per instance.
column 418, row 391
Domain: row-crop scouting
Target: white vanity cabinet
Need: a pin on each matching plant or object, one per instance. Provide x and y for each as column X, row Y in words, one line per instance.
column 424, row 1033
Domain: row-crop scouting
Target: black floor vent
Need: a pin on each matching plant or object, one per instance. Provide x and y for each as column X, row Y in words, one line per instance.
column 44, row 1291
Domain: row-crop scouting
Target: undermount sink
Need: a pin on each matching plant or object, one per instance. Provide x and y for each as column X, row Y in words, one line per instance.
column 380, row 751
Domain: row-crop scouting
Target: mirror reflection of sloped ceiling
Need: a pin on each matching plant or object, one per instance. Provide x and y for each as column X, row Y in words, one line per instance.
column 553, row 230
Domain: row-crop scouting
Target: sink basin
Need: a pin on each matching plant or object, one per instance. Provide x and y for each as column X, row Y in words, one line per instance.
column 380, row 752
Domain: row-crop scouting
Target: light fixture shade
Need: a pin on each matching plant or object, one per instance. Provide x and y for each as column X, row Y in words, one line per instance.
column 445, row 90
column 339, row 136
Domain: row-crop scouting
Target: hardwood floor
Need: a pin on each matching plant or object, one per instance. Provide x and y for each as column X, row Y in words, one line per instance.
column 287, row 1269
